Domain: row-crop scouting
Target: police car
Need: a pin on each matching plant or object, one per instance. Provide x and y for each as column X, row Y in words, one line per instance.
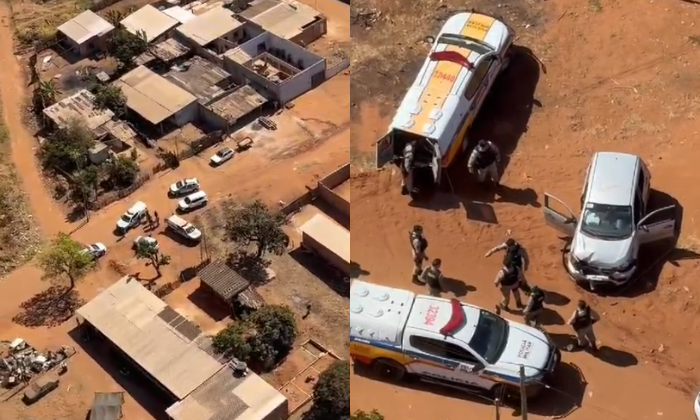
column 399, row 334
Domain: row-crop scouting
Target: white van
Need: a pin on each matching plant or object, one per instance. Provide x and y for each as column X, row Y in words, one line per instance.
column 132, row 217
column 193, row 201
column 183, row 228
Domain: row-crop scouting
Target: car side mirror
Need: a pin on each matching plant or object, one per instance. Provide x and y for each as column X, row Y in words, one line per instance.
column 644, row 228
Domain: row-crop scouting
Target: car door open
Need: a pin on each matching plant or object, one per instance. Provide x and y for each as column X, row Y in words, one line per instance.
column 650, row 231
column 436, row 163
column 565, row 224
column 385, row 150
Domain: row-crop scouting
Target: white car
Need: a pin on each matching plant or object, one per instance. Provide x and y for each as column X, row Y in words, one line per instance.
column 146, row 240
column 184, row 186
column 97, row 249
column 193, row 201
column 697, row 407
column 183, row 228
column 132, row 217
column 224, row 154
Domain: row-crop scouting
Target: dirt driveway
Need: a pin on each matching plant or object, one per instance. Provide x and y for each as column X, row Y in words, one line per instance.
column 628, row 85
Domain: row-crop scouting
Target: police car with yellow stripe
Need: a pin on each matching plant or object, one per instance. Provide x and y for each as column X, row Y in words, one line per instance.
column 398, row 333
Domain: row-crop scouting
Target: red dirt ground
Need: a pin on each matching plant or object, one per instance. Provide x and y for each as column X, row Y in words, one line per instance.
column 628, row 85
column 305, row 155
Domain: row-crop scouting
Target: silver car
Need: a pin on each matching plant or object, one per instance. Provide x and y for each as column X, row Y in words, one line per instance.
column 613, row 222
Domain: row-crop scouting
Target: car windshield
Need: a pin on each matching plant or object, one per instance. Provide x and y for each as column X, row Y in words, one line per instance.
column 472, row 44
column 222, row 153
column 179, row 184
column 126, row 217
column 607, row 222
column 189, row 229
column 188, row 200
column 490, row 337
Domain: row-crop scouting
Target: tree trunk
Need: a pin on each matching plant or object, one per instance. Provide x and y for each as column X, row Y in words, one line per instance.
column 72, row 282
column 156, row 265
column 261, row 250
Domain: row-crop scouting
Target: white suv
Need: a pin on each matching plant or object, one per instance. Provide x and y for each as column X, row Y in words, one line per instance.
column 193, row 201
column 183, row 228
column 132, row 217
column 184, row 186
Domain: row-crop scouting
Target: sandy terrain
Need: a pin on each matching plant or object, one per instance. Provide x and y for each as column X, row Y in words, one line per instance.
column 618, row 87
column 305, row 147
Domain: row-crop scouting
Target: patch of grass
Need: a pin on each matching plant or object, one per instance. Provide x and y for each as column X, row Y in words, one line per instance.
column 19, row 237
column 35, row 23
column 595, row 6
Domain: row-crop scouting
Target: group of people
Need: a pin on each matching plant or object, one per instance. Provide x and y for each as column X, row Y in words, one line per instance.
column 510, row 280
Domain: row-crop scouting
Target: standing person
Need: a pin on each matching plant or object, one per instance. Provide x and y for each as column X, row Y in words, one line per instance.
column 534, row 307
column 508, row 280
column 418, row 246
column 515, row 253
column 157, row 219
column 582, row 321
column 407, row 169
column 484, row 160
column 432, row 276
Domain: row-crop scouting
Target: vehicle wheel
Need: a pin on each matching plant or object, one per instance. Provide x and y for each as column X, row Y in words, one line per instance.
column 388, row 370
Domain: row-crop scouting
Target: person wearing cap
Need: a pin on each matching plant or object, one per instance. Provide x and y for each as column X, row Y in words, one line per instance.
column 514, row 252
column 407, row 169
column 484, row 161
column 418, row 246
column 433, row 278
column 508, row 280
column 582, row 321
column 534, row 307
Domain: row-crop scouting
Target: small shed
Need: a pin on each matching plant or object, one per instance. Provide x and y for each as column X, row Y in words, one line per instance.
column 107, row 406
column 86, row 33
column 221, row 280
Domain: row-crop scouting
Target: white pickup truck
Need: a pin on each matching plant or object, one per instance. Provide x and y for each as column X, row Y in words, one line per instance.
column 398, row 333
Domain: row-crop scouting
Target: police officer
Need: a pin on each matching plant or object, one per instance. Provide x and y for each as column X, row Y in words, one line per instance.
column 418, row 246
column 483, row 161
column 432, row 276
column 407, row 169
column 508, row 280
column 534, row 307
column 582, row 321
column 515, row 253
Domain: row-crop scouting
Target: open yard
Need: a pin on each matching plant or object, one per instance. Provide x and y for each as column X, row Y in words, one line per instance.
column 629, row 85
column 312, row 140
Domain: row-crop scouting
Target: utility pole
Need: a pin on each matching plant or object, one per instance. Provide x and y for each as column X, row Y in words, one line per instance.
column 523, row 394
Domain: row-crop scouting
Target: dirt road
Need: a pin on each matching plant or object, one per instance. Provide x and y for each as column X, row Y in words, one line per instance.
column 549, row 124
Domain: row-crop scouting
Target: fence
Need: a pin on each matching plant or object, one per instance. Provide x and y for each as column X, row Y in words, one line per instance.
column 110, row 198
column 337, row 68
column 324, row 190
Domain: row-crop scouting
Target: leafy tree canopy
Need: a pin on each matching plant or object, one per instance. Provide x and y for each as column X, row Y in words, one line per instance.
column 331, row 395
column 110, row 97
column 362, row 415
column 256, row 223
column 122, row 171
column 67, row 258
column 150, row 251
column 67, row 148
column 125, row 46
column 262, row 339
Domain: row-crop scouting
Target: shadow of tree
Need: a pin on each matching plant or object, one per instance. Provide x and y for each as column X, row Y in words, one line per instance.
column 250, row 267
column 49, row 308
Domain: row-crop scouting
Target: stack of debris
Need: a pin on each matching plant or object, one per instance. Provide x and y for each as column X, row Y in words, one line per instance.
column 22, row 362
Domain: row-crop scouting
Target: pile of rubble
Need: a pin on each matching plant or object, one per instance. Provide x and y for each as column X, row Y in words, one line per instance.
column 22, row 362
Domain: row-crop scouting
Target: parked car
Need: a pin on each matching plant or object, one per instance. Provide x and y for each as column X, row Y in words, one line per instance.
column 132, row 217
column 149, row 240
column 183, row 228
column 193, row 201
column 614, row 221
column 40, row 387
column 97, row 250
column 224, row 154
column 697, row 406
column 184, row 186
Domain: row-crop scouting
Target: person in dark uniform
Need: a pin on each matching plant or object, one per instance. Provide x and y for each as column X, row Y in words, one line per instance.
column 534, row 307
column 432, row 276
column 418, row 246
column 508, row 280
column 582, row 321
column 515, row 253
column 484, row 161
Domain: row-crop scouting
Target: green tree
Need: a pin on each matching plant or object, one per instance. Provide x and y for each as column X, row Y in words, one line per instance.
column 67, row 258
column 150, row 251
column 125, row 46
column 115, row 17
column 122, row 171
column 263, row 338
column 83, row 188
column 45, row 94
column 362, row 415
column 110, row 97
column 256, row 223
column 67, row 148
column 331, row 395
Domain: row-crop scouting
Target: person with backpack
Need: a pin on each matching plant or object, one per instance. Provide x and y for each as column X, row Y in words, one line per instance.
column 508, row 280
column 582, row 321
column 514, row 252
column 418, row 246
column 534, row 307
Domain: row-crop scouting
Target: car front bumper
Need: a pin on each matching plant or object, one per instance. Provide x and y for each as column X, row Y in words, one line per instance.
column 598, row 280
column 697, row 407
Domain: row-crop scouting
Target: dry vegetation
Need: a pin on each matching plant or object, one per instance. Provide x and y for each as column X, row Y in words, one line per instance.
column 37, row 21
column 18, row 234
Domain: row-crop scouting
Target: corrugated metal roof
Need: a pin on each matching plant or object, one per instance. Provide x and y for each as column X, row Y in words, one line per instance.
column 80, row 106
column 212, row 24
column 85, row 26
column 152, row 96
column 180, row 14
column 223, row 279
column 237, row 104
column 286, row 20
column 128, row 315
column 328, row 233
column 107, row 406
column 149, row 20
